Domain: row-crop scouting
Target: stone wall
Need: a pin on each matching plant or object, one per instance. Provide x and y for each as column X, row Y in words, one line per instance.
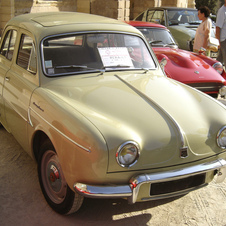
column 107, row 8
column 136, row 7
column 11, row 8
column 6, row 12
column 118, row 9
column 22, row 6
column 47, row 6
column 84, row 6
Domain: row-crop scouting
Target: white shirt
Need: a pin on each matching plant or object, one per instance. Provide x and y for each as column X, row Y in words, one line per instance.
column 221, row 22
column 200, row 33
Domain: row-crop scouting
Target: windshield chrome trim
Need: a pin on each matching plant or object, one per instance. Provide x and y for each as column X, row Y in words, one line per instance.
column 93, row 32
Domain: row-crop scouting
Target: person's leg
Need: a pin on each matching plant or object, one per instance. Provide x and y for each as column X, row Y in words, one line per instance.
column 223, row 52
column 220, row 56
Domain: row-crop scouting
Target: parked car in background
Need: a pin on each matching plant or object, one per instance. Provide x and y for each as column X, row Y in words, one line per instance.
column 196, row 70
column 85, row 96
column 182, row 23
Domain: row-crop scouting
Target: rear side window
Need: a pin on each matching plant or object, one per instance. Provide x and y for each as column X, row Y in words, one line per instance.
column 8, row 46
column 27, row 55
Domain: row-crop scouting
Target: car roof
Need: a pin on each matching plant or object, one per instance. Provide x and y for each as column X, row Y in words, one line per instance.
column 173, row 8
column 50, row 23
column 144, row 24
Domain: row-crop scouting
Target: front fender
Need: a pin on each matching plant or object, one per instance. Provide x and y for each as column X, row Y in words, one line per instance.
column 183, row 36
column 78, row 143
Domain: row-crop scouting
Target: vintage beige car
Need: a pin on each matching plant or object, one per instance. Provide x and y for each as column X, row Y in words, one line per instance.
column 85, row 96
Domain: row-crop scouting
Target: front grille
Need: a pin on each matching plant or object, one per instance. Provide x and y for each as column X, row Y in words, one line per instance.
column 177, row 185
column 207, row 86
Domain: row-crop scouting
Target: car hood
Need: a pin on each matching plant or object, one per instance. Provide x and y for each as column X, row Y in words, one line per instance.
column 187, row 67
column 160, row 114
column 185, row 28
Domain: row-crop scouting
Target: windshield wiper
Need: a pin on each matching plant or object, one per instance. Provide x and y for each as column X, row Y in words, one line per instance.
column 116, row 66
column 72, row 66
column 155, row 42
column 170, row 44
column 79, row 67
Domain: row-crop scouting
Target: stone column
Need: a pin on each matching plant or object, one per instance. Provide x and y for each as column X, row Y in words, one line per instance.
column 158, row 3
column 182, row 3
column 123, row 10
column 191, row 4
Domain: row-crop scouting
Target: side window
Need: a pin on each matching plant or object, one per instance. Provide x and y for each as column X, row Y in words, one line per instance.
column 158, row 17
column 140, row 17
column 27, row 55
column 8, row 45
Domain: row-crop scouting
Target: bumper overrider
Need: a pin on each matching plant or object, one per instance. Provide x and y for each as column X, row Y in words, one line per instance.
column 222, row 91
column 154, row 186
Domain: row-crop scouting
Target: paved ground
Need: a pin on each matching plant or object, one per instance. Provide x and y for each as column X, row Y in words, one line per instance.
column 22, row 203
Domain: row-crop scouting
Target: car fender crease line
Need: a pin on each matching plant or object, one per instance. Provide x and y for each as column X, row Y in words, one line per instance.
column 68, row 138
column 29, row 117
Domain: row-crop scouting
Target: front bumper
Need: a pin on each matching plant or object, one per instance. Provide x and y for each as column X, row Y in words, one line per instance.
column 159, row 185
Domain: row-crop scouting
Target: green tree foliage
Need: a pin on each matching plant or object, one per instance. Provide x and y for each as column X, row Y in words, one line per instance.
column 211, row 4
column 222, row 2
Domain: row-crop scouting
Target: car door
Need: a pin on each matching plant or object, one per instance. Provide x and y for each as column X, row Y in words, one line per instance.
column 6, row 57
column 20, row 81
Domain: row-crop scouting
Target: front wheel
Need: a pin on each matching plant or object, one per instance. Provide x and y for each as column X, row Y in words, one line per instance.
column 53, row 184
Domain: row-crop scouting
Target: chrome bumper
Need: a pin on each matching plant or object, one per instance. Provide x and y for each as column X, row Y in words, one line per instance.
column 222, row 91
column 132, row 190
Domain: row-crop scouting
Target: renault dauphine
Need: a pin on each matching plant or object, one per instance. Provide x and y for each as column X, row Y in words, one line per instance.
column 85, row 96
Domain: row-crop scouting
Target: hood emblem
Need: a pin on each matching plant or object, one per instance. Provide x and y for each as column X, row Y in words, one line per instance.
column 196, row 72
column 184, row 152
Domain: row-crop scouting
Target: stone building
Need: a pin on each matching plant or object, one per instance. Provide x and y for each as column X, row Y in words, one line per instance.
column 118, row 9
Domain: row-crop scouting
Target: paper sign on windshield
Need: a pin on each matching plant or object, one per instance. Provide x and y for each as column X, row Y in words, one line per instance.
column 115, row 56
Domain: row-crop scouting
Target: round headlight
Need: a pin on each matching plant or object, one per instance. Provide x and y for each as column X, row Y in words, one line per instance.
column 218, row 67
column 221, row 138
column 127, row 154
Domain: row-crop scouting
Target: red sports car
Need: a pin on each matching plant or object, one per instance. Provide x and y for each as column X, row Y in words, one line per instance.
column 196, row 70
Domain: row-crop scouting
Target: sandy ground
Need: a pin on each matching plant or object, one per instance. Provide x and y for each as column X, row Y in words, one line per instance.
column 22, row 203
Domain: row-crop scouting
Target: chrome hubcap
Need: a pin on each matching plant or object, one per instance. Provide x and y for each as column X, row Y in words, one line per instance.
column 53, row 178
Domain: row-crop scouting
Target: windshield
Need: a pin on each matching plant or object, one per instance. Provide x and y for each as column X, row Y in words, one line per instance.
column 95, row 52
column 158, row 37
column 183, row 17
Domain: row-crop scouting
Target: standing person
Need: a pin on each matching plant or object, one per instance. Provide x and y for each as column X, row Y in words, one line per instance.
column 203, row 31
column 221, row 33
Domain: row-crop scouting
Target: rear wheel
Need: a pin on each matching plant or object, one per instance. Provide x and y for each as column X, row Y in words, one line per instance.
column 53, row 184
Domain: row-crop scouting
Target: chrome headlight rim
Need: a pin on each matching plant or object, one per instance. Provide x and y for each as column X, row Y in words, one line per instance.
column 218, row 65
column 219, row 143
column 120, row 149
